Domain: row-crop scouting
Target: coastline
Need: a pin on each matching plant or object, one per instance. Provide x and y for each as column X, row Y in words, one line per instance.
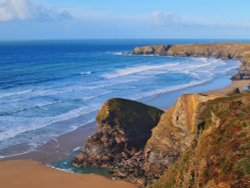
column 24, row 165
column 61, row 148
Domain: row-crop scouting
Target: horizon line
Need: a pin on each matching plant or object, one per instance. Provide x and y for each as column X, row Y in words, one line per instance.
column 88, row 39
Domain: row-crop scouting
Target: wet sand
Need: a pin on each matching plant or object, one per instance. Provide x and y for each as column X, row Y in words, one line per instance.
column 61, row 147
column 32, row 174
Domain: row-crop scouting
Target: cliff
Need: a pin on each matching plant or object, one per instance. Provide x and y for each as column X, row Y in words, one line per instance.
column 124, row 127
column 202, row 141
column 237, row 51
column 220, row 154
column 174, row 134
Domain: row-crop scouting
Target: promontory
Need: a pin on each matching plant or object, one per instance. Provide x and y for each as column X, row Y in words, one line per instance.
column 202, row 141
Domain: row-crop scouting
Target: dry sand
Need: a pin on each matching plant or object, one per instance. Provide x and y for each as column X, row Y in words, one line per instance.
column 32, row 174
column 231, row 87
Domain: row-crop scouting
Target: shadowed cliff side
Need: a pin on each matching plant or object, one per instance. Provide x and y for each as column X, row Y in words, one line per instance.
column 236, row 51
column 220, row 155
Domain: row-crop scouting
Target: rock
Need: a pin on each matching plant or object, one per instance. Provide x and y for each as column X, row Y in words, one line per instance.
column 124, row 127
column 240, row 51
column 147, row 50
column 219, row 155
column 202, row 141
column 174, row 133
column 141, row 182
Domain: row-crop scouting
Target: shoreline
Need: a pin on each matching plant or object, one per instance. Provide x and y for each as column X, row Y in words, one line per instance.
column 62, row 148
column 23, row 173
column 39, row 160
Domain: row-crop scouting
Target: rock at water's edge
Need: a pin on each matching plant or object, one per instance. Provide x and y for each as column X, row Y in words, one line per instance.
column 124, row 127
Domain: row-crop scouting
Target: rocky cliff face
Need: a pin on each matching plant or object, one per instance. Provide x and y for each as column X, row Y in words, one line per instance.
column 219, row 157
column 124, row 127
column 125, row 144
column 237, row 51
column 202, row 141
column 174, row 134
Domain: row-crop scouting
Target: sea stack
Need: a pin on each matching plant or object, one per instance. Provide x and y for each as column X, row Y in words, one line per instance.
column 124, row 128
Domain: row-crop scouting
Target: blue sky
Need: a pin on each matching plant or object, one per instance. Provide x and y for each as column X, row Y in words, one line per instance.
column 86, row 19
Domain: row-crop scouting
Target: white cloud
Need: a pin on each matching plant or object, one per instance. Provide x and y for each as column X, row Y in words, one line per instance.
column 26, row 10
column 170, row 20
column 165, row 19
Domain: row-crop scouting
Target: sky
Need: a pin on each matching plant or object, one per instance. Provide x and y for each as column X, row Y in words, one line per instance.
column 123, row 19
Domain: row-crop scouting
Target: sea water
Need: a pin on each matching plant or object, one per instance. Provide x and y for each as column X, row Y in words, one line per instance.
column 48, row 88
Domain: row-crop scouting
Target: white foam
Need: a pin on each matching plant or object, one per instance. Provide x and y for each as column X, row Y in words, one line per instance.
column 187, row 68
column 86, row 73
column 77, row 149
column 62, row 170
column 119, row 53
column 138, row 69
column 30, row 124
column 17, row 154
column 14, row 93
column 173, row 88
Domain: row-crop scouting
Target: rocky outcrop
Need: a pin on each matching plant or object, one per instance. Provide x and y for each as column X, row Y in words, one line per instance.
column 202, row 141
column 125, row 144
column 237, row 51
column 219, row 156
column 174, row 134
column 124, row 127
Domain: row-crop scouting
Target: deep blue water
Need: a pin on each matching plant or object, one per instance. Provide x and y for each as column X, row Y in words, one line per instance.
column 48, row 88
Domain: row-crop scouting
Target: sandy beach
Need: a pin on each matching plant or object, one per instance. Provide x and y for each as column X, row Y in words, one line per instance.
column 32, row 174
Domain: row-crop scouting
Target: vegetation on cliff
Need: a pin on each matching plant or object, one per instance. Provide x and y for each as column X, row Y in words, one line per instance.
column 220, row 155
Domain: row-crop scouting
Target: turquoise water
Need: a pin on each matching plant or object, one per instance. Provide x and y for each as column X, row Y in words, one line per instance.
column 48, row 88
column 66, row 166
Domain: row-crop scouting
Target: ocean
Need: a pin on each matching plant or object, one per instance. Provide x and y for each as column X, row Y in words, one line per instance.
column 48, row 88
